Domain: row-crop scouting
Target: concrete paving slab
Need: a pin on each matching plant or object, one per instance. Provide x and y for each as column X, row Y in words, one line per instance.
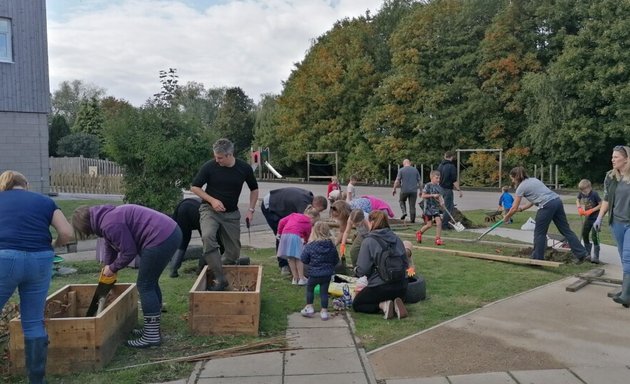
column 345, row 378
column 241, row 380
column 425, row 380
column 607, row 375
column 320, row 338
column 547, row 376
column 337, row 320
column 322, row 360
column 261, row 364
column 483, row 378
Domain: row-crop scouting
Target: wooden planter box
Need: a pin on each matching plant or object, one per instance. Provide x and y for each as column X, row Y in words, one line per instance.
column 79, row 343
column 235, row 311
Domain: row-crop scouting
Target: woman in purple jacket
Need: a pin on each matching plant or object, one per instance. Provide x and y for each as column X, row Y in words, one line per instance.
column 130, row 230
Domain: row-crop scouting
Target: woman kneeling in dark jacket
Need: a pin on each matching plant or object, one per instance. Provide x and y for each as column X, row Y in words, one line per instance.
column 379, row 295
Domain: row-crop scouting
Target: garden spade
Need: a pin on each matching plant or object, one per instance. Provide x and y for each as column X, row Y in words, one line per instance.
column 494, row 226
column 105, row 284
column 459, row 227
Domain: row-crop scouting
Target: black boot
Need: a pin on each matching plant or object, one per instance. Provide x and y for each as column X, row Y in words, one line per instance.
column 595, row 257
column 176, row 262
column 588, row 248
column 624, row 298
column 36, row 354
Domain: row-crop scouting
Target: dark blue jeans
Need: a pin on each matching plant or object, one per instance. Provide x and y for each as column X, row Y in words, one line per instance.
column 449, row 204
column 273, row 220
column 30, row 273
column 554, row 211
column 153, row 261
column 323, row 282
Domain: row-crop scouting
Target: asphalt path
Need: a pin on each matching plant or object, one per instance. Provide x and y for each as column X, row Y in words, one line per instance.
column 471, row 200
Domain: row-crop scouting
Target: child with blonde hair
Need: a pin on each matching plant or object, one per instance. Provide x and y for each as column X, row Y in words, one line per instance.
column 505, row 201
column 294, row 231
column 320, row 254
column 588, row 203
column 433, row 200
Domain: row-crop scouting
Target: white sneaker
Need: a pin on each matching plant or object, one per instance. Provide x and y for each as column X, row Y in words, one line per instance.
column 285, row 271
column 294, row 281
column 302, row 281
column 308, row 311
column 323, row 314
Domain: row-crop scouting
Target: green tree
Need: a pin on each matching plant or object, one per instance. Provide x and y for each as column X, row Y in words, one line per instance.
column 58, row 128
column 578, row 110
column 235, row 119
column 89, row 118
column 160, row 148
column 79, row 144
column 66, row 100
column 321, row 105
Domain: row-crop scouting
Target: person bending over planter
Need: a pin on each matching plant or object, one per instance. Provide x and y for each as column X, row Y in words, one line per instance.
column 385, row 289
column 131, row 230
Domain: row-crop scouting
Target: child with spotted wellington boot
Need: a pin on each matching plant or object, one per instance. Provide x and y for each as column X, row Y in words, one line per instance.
column 321, row 256
column 432, row 196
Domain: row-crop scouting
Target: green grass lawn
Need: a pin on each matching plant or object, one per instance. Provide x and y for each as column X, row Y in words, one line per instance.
column 455, row 285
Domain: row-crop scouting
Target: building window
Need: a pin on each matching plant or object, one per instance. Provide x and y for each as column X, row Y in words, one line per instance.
column 6, row 51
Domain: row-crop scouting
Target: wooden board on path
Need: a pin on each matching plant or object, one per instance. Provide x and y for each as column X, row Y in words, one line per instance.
column 594, row 275
column 487, row 256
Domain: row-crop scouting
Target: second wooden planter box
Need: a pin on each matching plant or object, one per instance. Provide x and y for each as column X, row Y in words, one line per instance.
column 231, row 312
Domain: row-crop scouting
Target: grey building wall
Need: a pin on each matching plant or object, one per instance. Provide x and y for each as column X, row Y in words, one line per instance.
column 25, row 94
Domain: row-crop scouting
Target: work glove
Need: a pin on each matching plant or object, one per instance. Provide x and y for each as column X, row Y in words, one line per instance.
column 598, row 224
column 588, row 213
column 581, row 211
column 342, row 250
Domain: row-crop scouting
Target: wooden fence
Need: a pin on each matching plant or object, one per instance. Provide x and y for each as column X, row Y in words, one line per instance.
column 83, row 175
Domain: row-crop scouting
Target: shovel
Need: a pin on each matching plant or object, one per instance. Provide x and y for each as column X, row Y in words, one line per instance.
column 494, row 226
column 459, row 227
column 105, row 284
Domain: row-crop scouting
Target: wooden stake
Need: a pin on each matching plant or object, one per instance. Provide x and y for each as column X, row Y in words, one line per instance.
column 487, row 256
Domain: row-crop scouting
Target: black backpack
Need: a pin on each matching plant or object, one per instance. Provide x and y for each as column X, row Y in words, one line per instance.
column 389, row 265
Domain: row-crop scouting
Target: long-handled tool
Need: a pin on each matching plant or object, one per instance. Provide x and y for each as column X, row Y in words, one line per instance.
column 494, row 226
column 105, row 284
column 459, row 227
column 249, row 233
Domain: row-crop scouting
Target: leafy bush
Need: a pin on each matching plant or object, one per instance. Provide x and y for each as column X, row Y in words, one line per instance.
column 79, row 144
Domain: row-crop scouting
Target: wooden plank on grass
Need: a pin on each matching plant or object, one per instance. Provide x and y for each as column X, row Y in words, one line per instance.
column 487, row 256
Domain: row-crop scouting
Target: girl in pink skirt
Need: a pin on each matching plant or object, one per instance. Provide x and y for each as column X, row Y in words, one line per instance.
column 294, row 231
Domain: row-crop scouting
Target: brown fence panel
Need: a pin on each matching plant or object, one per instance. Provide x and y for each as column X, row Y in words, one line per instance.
column 82, row 175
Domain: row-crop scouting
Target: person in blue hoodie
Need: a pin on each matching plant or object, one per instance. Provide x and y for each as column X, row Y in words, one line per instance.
column 130, row 230
column 321, row 256
column 380, row 295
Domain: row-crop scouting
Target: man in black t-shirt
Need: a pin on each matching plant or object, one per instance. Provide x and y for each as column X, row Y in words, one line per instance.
column 448, row 182
column 224, row 177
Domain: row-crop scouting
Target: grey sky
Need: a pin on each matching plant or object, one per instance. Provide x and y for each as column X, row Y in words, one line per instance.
column 121, row 45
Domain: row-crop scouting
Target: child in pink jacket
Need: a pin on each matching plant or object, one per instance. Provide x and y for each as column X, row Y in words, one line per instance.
column 294, row 231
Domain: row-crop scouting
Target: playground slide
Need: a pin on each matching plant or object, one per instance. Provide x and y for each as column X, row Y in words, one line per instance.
column 279, row 176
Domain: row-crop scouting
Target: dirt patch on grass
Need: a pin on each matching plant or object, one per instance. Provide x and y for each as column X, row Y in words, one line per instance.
column 449, row 351
column 551, row 254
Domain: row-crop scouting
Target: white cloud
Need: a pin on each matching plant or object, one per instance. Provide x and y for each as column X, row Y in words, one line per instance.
column 249, row 43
